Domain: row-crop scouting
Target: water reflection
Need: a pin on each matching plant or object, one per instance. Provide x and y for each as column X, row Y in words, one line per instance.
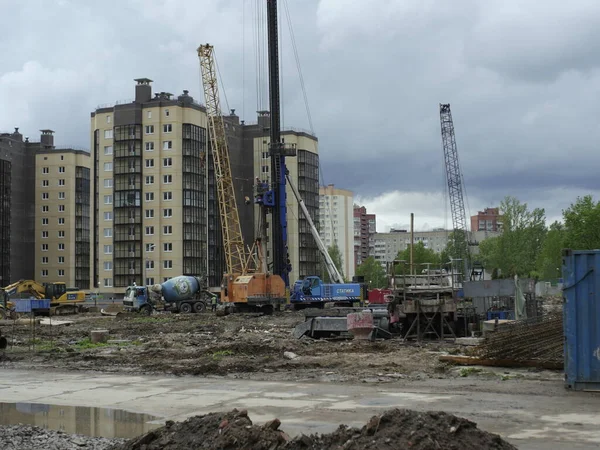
column 95, row 422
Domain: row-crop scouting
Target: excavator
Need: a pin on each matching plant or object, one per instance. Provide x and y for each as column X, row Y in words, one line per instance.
column 243, row 287
column 62, row 300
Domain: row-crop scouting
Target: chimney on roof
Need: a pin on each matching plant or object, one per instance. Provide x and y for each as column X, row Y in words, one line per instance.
column 143, row 90
column 47, row 138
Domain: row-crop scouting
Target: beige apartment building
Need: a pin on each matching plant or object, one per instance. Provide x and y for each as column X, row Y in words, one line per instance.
column 337, row 223
column 149, row 190
column 62, row 215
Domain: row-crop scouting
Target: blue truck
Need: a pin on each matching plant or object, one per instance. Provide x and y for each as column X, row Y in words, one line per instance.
column 312, row 292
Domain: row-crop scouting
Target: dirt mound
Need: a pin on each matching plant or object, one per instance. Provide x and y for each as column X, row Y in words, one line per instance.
column 395, row 429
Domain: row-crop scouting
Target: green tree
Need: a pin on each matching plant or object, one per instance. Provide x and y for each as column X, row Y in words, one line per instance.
column 451, row 252
column 421, row 256
column 516, row 251
column 582, row 224
column 550, row 260
column 336, row 256
column 373, row 272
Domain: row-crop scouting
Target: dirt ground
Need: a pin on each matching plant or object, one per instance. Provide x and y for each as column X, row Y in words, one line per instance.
column 246, row 346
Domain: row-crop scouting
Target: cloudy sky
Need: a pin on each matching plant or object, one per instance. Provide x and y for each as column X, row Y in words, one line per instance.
column 522, row 78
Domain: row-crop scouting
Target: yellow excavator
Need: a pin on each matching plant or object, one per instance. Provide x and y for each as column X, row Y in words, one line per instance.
column 62, row 300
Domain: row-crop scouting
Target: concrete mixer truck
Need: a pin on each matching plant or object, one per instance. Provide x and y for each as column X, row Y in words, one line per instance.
column 184, row 294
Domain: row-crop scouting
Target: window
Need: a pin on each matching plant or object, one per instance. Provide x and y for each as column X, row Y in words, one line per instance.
column 45, row 183
column 149, row 231
column 61, row 272
column 44, row 247
column 149, row 146
column 61, row 259
column 61, row 195
column 107, row 232
column 167, row 264
column 108, row 282
column 168, row 229
column 149, row 129
column 44, row 260
column 44, row 234
column 61, row 182
column 108, row 215
column 108, row 167
column 167, row 179
column 108, row 134
column 167, row 128
column 45, row 273
column 61, row 208
column 167, row 212
column 45, row 169
column 167, row 112
column 149, row 214
column 45, row 208
column 168, row 247
column 45, row 221
column 107, row 249
column 108, row 182
column 61, row 169
column 149, row 264
column 150, row 179
column 149, row 281
column 149, row 196
column 45, row 196
column 167, row 145
column 167, row 162
column 149, row 247
column 61, row 220
column 149, row 163
column 167, row 195
column 108, row 199
column 107, row 119
column 108, row 265
column 61, row 234
column 265, row 155
column 61, row 247
column 149, row 114
column 108, row 150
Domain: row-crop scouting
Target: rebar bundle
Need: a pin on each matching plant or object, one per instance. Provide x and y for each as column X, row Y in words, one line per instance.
column 538, row 339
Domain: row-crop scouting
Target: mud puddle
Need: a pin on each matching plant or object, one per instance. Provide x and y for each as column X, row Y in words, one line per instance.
column 93, row 422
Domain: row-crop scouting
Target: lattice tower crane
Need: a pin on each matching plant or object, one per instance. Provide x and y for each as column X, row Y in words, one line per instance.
column 236, row 257
column 455, row 188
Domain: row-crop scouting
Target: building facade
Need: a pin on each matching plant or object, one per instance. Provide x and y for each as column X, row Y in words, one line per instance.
column 365, row 227
column 388, row 245
column 62, row 223
column 336, row 208
column 487, row 220
column 149, row 191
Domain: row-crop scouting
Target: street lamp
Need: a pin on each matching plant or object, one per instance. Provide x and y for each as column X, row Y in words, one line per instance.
column 96, row 297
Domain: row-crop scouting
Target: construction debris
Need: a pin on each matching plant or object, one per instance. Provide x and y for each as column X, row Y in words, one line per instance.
column 393, row 429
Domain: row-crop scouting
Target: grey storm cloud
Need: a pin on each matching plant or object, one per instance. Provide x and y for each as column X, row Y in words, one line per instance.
column 521, row 76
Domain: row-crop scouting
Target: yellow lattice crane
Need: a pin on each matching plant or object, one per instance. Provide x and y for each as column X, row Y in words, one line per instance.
column 235, row 254
column 242, row 285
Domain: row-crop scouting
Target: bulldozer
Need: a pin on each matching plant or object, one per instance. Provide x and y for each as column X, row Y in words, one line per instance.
column 62, row 300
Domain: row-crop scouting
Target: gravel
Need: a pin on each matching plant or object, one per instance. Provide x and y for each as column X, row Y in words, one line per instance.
column 20, row 437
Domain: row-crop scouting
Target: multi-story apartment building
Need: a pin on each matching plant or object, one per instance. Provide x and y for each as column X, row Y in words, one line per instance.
column 62, row 219
column 387, row 245
column 44, row 211
column 337, row 223
column 487, row 220
column 365, row 227
column 156, row 213
column 304, row 172
column 149, row 189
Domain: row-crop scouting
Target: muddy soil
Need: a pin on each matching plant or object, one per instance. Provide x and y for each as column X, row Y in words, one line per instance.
column 18, row 437
column 393, row 429
column 239, row 345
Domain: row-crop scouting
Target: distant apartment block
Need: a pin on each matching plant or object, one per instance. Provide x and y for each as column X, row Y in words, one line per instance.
column 337, row 223
column 487, row 220
column 365, row 227
column 388, row 245
column 44, row 211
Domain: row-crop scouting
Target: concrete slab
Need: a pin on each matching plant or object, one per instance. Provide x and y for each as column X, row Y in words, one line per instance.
column 532, row 414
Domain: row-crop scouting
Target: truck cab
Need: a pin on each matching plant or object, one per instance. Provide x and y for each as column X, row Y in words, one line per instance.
column 136, row 299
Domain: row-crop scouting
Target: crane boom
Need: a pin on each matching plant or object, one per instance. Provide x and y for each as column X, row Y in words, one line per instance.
column 334, row 273
column 233, row 242
column 455, row 187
